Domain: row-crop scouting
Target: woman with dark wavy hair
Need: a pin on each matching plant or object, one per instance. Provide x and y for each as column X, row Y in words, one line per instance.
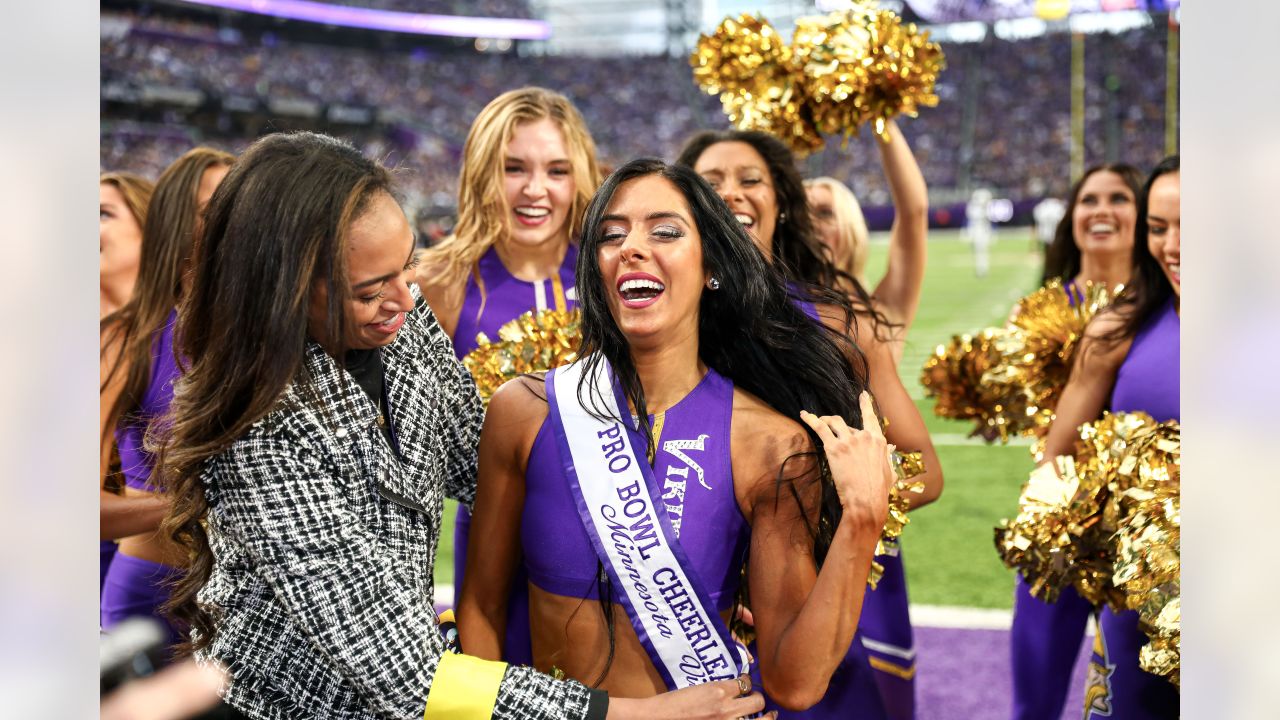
column 1128, row 361
column 1094, row 239
column 756, row 176
column 138, row 368
column 321, row 421
column 1093, row 244
column 699, row 441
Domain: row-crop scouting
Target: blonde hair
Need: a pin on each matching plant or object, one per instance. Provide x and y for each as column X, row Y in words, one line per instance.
column 483, row 215
column 851, row 226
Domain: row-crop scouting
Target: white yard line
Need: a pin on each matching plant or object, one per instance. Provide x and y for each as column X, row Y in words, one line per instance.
column 931, row 616
column 962, row 439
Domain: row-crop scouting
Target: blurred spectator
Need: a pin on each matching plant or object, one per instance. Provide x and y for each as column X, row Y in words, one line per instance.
column 1004, row 120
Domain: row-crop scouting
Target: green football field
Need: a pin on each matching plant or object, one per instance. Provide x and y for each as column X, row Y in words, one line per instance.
column 948, row 546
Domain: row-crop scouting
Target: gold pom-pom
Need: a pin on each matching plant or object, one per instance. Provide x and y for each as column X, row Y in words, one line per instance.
column 1036, row 353
column 841, row 71
column 532, row 342
column 1066, row 520
column 1148, row 560
column 906, row 465
column 862, row 66
column 953, row 376
column 750, row 67
column 1008, row 380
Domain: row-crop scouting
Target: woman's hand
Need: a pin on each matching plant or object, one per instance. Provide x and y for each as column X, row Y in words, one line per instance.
column 720, row 700
column 859, row 460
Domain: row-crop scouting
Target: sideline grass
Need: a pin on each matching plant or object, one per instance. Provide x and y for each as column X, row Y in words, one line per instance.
column 950, row 556
column 948, row 547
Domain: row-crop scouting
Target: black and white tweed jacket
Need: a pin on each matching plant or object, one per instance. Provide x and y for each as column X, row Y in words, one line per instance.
column 324, row 539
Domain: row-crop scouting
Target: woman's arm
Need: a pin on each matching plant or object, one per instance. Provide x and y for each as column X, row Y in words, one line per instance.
column 1093, row 375
column 121, row 517
column 512, row 421
column 118, row 516
column 898, row 293
column 805, row 619
column 361, row 608
column 905, row 429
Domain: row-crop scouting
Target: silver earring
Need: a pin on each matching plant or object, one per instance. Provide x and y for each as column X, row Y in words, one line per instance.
column 713, row 284
column 782, row 217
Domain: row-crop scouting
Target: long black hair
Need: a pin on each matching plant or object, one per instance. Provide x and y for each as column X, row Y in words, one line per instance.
column 750, row 330
column 1149, row 289
column 795, row 247
column 1062, row 257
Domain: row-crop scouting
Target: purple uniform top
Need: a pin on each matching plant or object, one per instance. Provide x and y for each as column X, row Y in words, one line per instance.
column 497, row 297
column 1148, row 378
column 693, row 467
column 1117, row 686
column 135, row 461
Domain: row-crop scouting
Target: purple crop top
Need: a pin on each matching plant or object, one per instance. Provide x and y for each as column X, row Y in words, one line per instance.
column 694, row 469
column 135, row 461
column 506, row 298
column 1148, row 378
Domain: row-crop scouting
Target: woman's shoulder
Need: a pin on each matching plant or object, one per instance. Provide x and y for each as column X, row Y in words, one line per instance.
column 762, row 434
column 520, row 399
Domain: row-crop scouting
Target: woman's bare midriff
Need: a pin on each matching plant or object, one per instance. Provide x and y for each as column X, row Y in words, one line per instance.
column 571, row 634
column 152, row 546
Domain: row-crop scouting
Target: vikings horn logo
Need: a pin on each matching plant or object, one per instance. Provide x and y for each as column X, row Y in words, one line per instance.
column 677, row 448
column 1097, row 691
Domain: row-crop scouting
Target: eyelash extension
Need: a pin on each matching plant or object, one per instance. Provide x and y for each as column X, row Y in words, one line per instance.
column 371, row 300
column 415, row 262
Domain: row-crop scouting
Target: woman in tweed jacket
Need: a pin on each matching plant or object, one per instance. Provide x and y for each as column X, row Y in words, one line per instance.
column 321, row 422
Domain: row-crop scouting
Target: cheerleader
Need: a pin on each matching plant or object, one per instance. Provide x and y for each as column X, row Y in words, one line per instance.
column 1093, row 244
column 1129, row 362
column 528, row 171
column 634, row 532
column 842, row 229
column 122, row 209
column 320, row 423
column 138, row 371
column 886, row 622
column 756, row 176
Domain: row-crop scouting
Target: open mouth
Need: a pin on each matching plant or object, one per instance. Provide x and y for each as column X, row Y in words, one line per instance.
column 746, row 220
column 1101, row 228
column 390, row 325
column 1175, row 269
column 532, row 215
column 639, row 290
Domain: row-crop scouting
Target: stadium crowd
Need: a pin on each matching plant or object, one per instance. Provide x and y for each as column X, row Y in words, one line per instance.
column 1002, row 122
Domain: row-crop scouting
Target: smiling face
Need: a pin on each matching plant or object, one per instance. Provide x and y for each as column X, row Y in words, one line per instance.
column 538, row 184
column 741, row 177
column 379, row 269
column 650, row 256
column 119, row 236
column 1105, row 212
column 1164, row 226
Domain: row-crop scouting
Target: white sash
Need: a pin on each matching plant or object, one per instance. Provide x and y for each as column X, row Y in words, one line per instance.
column 617, row 500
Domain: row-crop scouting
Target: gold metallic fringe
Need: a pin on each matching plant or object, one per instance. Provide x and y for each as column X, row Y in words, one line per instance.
column 533, row 342
column 906, row 465
column 842, row 71
column 1008, row 380
column 1108, row 524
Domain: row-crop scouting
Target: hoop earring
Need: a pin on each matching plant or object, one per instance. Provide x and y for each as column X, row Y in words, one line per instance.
column 713, row 284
